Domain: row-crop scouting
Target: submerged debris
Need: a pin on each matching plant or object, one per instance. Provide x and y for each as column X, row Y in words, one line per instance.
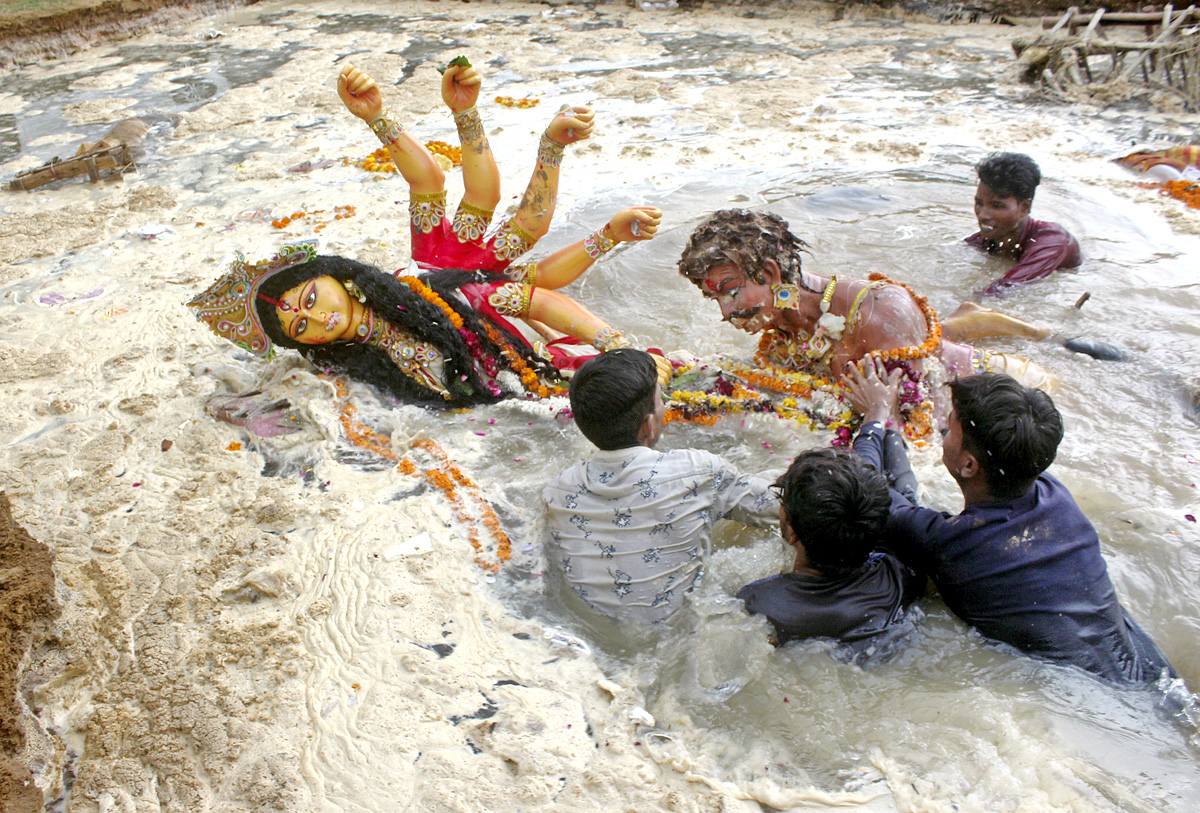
column 107, row 159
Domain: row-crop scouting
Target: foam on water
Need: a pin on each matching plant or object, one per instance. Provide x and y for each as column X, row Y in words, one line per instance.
column 249, row 594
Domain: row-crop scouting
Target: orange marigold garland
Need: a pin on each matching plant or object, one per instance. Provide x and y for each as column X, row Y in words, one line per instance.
column 453, row 154
column 509, row 101
column 487, row 515
column 433, row 298
column 1186, row 191
column 378, row 161
column 447, row 478
column 529, row 378
column 381, row 160
column 340, row 213
column 916, row 402
column 933, row 335
column 730, row 393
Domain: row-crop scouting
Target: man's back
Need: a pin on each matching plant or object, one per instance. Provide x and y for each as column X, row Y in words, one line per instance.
column 631, row 526
column 1028, row 572
column 856, row 608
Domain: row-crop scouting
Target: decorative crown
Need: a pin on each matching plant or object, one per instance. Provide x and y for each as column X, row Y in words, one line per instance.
column 228, row 305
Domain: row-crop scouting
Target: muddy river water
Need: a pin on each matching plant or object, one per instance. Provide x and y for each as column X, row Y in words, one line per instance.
column 233, row 635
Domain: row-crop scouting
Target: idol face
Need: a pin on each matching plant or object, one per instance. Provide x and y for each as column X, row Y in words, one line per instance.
column 317, row 311
column 745, row 304
column 1000, row 218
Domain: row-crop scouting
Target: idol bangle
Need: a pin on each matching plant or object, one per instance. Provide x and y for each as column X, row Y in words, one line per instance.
column 609, row 338
column 550, row 152
column 386, row 128
column 469, row 125
column 598, row 242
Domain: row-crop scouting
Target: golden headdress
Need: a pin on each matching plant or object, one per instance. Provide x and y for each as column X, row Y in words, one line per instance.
column 228, row 305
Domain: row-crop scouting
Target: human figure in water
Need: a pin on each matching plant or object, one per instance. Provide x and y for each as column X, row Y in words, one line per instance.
column 1021, row 563
column 1003, row 200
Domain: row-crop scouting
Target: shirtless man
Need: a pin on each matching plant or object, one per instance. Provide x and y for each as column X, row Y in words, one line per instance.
column 1007, row 182
column 749, row 263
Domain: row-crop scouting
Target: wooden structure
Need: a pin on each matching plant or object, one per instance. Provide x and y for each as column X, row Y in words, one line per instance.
column 1091, row 65
column 100, row 163
column 109, row 158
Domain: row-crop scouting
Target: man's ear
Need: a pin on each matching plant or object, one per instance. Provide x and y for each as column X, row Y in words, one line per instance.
column 785, row 530
column 1026, row 206
column 968, row 466
column 646, row 430
column 772, row 272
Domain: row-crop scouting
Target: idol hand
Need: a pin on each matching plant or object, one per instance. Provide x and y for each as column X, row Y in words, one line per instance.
column 359, row 93
column 570, row 124
column 635, row 223
column 460, row 87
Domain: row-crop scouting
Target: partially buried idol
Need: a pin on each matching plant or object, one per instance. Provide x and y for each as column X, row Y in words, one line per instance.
column 442, row 338
column 749, row 263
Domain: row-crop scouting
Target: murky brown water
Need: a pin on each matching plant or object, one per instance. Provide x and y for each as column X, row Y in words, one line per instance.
column 887, row 186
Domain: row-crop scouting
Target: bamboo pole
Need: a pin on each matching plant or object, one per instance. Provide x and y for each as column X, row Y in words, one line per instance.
column 1066, row 18
column 104, row 162
column 1163, row 36
column 1110, row 18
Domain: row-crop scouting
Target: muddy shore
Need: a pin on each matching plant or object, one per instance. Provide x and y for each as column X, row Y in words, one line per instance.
column 30, row 32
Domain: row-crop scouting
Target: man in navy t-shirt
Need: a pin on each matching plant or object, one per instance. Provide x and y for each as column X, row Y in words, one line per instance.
column 1021, row 563
column 833, row 511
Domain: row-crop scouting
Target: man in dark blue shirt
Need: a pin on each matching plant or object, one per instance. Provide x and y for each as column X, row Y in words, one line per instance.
column 1021, row 563
column 833, row 510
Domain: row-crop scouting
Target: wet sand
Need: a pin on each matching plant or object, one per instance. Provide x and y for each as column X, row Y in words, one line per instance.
column 27, row 611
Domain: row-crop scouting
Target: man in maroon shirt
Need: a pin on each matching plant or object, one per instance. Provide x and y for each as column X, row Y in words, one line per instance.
column 1007, row 181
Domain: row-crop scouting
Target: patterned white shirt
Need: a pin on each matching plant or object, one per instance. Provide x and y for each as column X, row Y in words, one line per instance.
column 631, row 528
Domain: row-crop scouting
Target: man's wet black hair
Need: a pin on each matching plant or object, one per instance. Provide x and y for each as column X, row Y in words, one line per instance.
column 1012, row 430
column 837, row 505
column 1010, row 174
column 612, row 394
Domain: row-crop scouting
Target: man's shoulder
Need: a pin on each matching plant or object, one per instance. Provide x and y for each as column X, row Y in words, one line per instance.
column 1048, row 488
column 699, row 456
column 569, row 478
column 1046, row 229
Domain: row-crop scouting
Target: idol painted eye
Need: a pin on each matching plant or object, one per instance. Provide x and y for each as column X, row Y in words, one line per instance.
column 311, row 299
column 299, row 326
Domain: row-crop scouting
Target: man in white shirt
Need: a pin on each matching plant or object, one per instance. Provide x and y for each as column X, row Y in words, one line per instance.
column 631, row 526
